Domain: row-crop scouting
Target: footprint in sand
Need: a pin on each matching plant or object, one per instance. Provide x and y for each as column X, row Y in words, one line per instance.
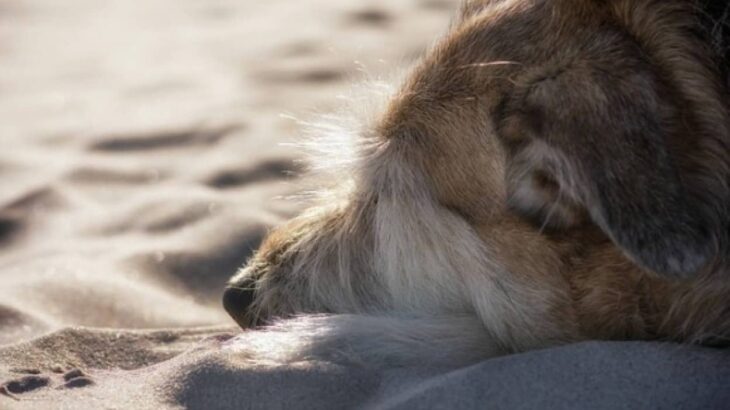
column 306, row 76
column 74, row 379
column 16, row 215
column 24, row 385
column 204, row 272
column 34, row 380
column 370, row 17
column 9, row 228
column 261, row 172
column 162, row 140
column 90, row 175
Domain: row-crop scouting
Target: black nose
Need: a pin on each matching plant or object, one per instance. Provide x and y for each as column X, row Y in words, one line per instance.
column 236, row 301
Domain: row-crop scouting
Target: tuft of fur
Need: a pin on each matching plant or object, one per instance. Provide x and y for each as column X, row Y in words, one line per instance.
column 369, row 341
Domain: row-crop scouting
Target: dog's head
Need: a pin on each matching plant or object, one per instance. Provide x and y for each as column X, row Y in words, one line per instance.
column 570, row 114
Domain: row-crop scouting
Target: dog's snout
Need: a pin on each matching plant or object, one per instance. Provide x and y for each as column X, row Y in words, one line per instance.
column 237, row 299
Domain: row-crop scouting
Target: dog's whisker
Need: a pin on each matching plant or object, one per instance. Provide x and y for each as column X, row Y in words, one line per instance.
column 551, row 212
column 490, row 64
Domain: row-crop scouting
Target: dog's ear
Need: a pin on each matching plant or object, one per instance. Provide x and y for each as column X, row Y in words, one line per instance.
column 602, row 136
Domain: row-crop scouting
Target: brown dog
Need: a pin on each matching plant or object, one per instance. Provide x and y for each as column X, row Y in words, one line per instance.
column 537, row 179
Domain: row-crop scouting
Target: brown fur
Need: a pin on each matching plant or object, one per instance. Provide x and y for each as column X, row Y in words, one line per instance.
column 609, row 115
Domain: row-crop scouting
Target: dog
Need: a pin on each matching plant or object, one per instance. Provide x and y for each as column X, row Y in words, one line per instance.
column 552, row 171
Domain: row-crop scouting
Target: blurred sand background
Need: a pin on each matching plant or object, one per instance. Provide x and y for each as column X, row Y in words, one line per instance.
column 140, row 165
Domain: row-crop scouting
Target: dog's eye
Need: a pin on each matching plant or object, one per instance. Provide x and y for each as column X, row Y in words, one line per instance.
column 545, row 181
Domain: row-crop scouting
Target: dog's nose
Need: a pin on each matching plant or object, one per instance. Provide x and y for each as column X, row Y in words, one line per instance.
column 237, row 299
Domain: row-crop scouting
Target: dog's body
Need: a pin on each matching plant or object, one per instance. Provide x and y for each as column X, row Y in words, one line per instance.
column 519, row 190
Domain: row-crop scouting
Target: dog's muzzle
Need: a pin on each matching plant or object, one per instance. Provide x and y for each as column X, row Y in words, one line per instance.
column 237, row 299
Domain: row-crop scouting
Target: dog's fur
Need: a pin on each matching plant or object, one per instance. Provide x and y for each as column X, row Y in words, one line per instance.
column 542, row 176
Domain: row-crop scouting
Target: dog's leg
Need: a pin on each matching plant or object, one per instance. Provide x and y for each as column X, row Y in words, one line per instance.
column 521, row 294
column 696, row 312
column 618, row 301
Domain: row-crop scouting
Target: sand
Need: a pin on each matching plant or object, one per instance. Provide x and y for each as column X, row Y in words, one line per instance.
column 141, row 164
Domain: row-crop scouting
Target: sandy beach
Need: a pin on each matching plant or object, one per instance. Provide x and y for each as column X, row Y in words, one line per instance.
column 145, row 154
